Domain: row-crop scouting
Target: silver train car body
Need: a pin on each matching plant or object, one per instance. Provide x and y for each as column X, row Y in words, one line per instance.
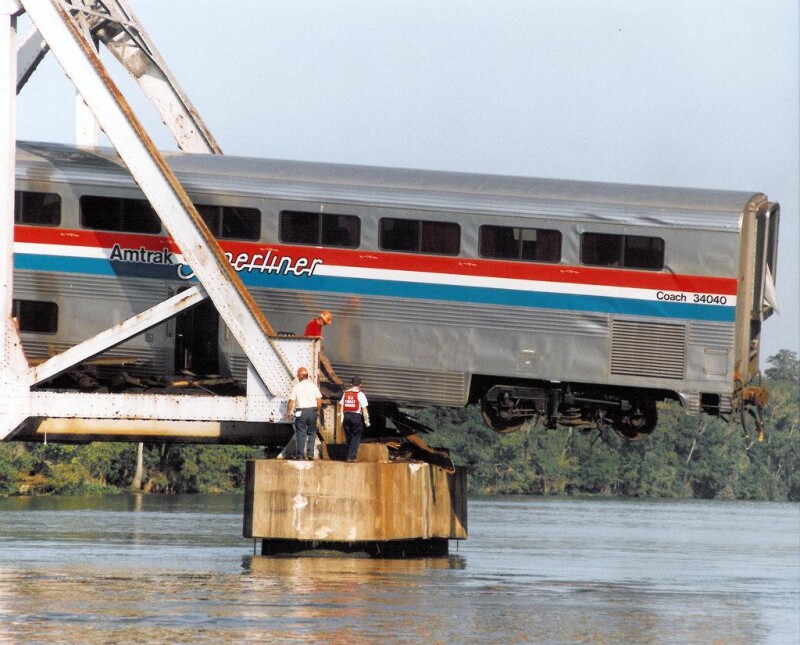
column 580, row 302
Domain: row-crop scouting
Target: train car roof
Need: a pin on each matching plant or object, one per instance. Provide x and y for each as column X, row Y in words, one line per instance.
column 396, row 187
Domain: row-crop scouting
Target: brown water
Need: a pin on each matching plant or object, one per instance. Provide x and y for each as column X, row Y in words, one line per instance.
column 176, row 570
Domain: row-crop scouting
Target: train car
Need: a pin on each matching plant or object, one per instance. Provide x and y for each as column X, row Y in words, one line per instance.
column 581, row 303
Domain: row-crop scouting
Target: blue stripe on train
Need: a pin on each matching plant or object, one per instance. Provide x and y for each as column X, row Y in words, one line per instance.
column 506, row 297
column 396, row 289
column 93, row 266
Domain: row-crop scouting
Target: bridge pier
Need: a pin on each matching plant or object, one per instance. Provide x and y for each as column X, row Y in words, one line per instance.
column 373, row 507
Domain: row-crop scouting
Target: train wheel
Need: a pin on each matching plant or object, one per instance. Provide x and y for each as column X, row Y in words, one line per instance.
column 639, row 422
column 492, row 418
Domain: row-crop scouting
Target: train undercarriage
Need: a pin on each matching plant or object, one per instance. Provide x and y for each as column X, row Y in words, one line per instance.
column 631, row 414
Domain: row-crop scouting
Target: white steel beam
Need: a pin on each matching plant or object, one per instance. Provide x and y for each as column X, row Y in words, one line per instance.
column 130, row 44
column 116, row 335
column 13, row 393
column 175, row 407
column 8, row 143
column 31, row 51
column 180, row 407
column 161, row 187
column 114, row 23
column 87, row 130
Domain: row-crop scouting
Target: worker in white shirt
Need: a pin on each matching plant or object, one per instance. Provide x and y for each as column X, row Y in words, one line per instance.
column 305, row 402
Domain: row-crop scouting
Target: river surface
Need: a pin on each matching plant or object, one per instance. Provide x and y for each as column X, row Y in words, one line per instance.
column 175, row 569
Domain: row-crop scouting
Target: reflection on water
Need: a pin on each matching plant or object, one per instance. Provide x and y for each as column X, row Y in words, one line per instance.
column 175, row 569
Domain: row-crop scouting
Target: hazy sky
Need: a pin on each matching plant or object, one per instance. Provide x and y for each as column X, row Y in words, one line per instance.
column 696, row 93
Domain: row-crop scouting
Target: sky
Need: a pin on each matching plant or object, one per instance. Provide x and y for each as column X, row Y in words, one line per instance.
column 693, row 93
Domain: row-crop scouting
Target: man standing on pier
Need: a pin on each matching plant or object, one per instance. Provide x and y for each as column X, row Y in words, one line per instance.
column 355, row 416
column 305, row 401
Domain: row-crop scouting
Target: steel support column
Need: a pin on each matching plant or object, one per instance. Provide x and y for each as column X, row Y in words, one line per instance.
column 14, row 406
column 272, row 360
column 161, row 187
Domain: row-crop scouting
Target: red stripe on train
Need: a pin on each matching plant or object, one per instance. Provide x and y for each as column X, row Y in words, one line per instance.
column 401, row 261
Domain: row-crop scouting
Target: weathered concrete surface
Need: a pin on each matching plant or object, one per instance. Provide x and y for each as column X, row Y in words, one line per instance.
column 333, row 501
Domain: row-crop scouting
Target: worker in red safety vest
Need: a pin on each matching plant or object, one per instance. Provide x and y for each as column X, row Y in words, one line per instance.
column 354, row 416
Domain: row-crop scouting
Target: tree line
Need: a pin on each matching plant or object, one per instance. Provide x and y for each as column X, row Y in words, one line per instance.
column 699, row 457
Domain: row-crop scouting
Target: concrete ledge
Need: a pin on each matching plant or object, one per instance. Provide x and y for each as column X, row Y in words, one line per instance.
column 366, row 452
column 326, row 502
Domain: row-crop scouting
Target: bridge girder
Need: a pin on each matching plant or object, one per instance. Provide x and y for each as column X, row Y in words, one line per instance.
column 69, row 29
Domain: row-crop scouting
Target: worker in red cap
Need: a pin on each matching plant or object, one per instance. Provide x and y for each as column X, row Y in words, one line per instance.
column 314, row 327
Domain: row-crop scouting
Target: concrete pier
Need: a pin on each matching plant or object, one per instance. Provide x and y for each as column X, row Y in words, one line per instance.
column 374, row 506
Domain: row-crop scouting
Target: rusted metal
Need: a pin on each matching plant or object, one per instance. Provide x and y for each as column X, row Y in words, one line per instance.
column 424, row 452
column 105, row 361
column 757, row 396
column 137, row 52
column 153, row 431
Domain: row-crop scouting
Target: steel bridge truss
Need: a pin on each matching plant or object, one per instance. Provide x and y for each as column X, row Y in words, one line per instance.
column 72, row 30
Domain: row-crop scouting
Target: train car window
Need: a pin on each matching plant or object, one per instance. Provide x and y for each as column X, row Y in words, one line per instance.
column 37, row 209
column 231, row 222
column 212, row 216
column 299, row 228
column 36, row 316
column 115, row 214
column 139, row 217
column 341, row 230
column 240, row 223
column 644, row 252
column 513, row 243
column 399, row 235
column 320, row 229
column 629, row 251
column 441, row 238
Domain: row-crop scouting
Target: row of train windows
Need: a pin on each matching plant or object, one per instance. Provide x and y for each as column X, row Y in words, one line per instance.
column 137, row 216
column 133, row 215
column 344, row 231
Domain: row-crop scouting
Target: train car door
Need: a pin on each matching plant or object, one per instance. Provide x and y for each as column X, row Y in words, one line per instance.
column 197, row 338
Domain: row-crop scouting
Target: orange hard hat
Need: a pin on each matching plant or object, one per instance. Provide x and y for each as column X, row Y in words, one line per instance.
column 326, row 316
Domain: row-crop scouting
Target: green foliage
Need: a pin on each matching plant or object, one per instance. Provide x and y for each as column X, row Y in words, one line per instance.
column 196, row 468
column 8, row 473
column 785, row 367
column 60, row 469
column 684, row 457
